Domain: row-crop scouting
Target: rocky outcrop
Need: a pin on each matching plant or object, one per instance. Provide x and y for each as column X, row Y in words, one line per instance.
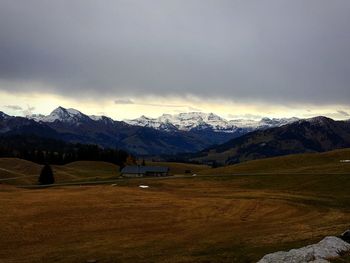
column 328, row 248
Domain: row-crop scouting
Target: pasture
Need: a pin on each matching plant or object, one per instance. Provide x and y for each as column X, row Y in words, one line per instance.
column 227, row 218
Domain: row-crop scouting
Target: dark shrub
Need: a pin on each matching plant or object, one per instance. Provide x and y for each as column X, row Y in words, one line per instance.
column 46, row 175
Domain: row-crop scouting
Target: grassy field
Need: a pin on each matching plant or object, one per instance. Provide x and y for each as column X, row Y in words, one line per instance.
column 228, row 218
column 327, row 162
column 26, row 173
column 219, row 219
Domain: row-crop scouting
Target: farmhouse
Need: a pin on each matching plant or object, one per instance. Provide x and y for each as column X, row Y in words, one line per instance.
column 139, row 171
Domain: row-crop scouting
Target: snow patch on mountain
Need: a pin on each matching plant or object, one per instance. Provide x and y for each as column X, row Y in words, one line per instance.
column 199, row 120
column 96, row 117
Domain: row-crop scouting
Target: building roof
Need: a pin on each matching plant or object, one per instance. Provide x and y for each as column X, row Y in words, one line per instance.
column 137, row 169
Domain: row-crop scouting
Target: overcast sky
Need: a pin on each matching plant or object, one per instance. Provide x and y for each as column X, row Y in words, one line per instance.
column 175, row 55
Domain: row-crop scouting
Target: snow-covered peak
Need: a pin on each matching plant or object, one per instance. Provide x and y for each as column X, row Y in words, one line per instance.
column 319, row 120
column 275, row 122
column 168, row 122
column 61, row 114
column 199, row 120
column 183, row 121
column 96, row 117
column 101, row 118
column 264, row 123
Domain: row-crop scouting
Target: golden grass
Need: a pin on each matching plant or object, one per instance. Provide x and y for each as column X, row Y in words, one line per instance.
column 215, row 219
column 327, row 162
column 227, row 218
column 85, row 170
column 28, row 172
column 76, row 171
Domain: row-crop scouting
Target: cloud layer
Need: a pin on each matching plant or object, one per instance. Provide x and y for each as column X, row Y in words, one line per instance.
column 272, row 51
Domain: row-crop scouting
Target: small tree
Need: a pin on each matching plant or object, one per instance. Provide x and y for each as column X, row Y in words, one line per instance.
column 46, row 175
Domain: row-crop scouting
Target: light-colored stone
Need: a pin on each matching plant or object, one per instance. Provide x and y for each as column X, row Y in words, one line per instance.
column 319, row 261
column 329, row 247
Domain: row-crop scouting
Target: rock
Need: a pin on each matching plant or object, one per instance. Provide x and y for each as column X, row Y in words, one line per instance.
column 319, row 261
column 329, row 247
column 346, row 236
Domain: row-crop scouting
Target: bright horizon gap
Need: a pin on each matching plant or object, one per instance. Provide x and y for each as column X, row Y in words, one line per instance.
column 153, row 107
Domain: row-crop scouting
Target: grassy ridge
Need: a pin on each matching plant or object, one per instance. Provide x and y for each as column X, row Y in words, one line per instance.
column 27, row 172
column 327, row 162
column 86, row 170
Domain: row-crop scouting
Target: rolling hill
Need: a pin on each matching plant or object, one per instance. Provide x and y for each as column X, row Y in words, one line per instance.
column 16, row 171
column 314, row 163
column 21, row 172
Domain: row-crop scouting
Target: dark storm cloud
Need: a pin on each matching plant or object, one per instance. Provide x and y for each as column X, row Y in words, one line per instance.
column 274, row 51
column 13, row 107
column 344, row 113
column 129, row 101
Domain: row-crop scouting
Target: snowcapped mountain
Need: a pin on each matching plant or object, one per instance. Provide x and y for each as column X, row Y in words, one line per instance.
column 191, row 121
column 71, row 116
column 184, row 122
column 61, row 114
column 182, row 133
column 200, row 121
column 73, row 126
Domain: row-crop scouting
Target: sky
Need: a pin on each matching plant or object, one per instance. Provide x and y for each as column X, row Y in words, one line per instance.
column 123, row 59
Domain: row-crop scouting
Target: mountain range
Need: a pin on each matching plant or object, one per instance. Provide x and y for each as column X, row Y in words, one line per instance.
column 317, row 134
column 197, row 136
column 201, row 121
column 168, row 134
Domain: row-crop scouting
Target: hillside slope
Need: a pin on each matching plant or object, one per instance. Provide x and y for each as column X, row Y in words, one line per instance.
column 318, row 134
column 315, row 163
column 21, row 172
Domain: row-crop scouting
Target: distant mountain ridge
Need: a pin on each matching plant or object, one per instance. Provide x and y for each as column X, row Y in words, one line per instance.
column 168, row 122
column 70, row 115
column 198, row 120
column 181, row 133
column 73, row 126
column 316, row 134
